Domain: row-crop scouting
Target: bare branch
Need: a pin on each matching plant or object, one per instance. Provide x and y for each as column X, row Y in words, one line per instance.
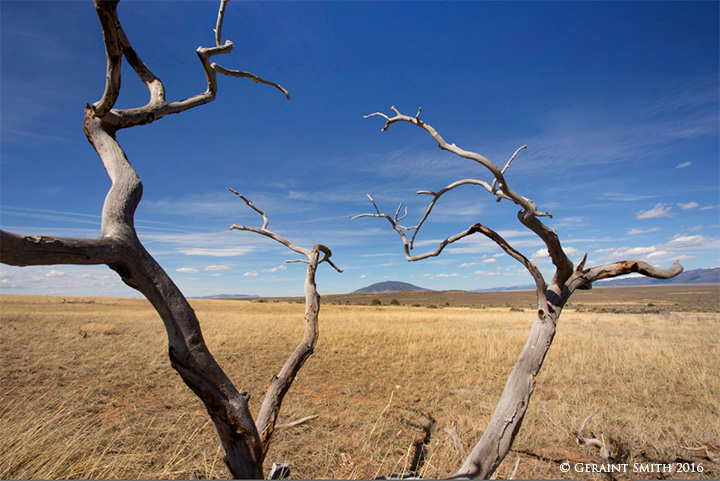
column 107, row 14
column 492, row 235
column 218, row 24
column 326, row 256
column 22, row 250
column 591, row 441
column 504, row 169
column 252, row 206
column 117, row 44
column 437, row 195
column 457, row 442
column 529, row 214
column 253, row 77
column 297, row 422
column 280, row 384
column 584, row 278
column 514, row 471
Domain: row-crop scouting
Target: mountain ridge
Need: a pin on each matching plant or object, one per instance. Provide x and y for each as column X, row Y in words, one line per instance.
column 388, row 286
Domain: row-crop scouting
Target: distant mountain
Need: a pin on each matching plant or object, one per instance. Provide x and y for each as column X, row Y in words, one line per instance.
column 388, row 286
column 227, row 296
column 695, row 276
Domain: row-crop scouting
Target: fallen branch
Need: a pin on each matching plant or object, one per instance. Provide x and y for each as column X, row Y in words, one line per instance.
column 297, row 422
column 457, row 442
column 591, row 441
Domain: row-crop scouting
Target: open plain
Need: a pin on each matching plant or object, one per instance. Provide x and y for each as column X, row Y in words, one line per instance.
column 88, row 391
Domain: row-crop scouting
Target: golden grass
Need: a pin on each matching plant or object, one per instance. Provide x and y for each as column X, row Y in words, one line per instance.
column 104, row 402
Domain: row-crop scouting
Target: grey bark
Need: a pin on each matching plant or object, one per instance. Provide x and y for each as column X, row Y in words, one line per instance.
column 509, row 413
column 120, row 248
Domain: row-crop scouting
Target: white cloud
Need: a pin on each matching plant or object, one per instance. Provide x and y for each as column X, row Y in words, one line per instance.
column 489, row 261
column 488, row 273
column 468, row 264
column 434, row 276
column 683, row 165
column 692, row 241
column 541, row 256
column 641, row 231
column 226, row 252
column 218, row 268
column 710, row 207
column 275, row 269
column 658, row 211
column 54, row 273
column 187, row 270
column 250, row 274
column 363, row 276
column 216, row 275
column 688, row 206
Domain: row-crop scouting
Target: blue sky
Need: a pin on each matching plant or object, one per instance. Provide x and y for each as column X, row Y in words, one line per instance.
column 617, row 102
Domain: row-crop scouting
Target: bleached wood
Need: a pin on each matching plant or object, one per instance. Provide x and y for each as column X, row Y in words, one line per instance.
column 591, row 441
column 120, row 248
column 510, row 410
column 297, row 422
column 280, row 384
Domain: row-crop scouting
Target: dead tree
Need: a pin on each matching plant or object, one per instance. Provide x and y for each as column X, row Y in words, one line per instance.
column 244, row 441
column 512, row 406
column 281, row 383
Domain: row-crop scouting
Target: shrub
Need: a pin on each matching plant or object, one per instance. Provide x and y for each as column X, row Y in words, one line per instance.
column 375, row 302
column 394, row 302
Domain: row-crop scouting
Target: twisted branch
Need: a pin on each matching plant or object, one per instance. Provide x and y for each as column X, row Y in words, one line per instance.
column 529, row 214
column 583, row 278
column 117, row 45
column 591, row 441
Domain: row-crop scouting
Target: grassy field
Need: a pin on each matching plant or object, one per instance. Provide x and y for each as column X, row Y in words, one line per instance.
column 88, row 392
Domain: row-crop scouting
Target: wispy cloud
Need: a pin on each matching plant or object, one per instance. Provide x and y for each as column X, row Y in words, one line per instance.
column 187, row 270
column 224, row 252
column 710, row 207
column 688, row 206
column 250, row 274
column 218, row 268
column 442, row 275
column 658, row 211
column 275, row 269
column 683, row 165
column 642, row 231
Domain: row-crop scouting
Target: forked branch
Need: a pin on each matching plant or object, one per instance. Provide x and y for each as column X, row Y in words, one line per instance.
column 583, row 278
column 529, row 214
column 280, row 383
column 592, row 440
column 510, row 410
column 540, row 283
column 120, row 248
column 117, row 45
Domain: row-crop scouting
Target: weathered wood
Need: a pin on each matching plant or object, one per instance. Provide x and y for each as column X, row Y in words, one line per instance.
column 510, row 410
column 267, row 417
column 120, row 248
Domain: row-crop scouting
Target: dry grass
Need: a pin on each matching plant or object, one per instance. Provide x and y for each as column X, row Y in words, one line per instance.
column 103, row 402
